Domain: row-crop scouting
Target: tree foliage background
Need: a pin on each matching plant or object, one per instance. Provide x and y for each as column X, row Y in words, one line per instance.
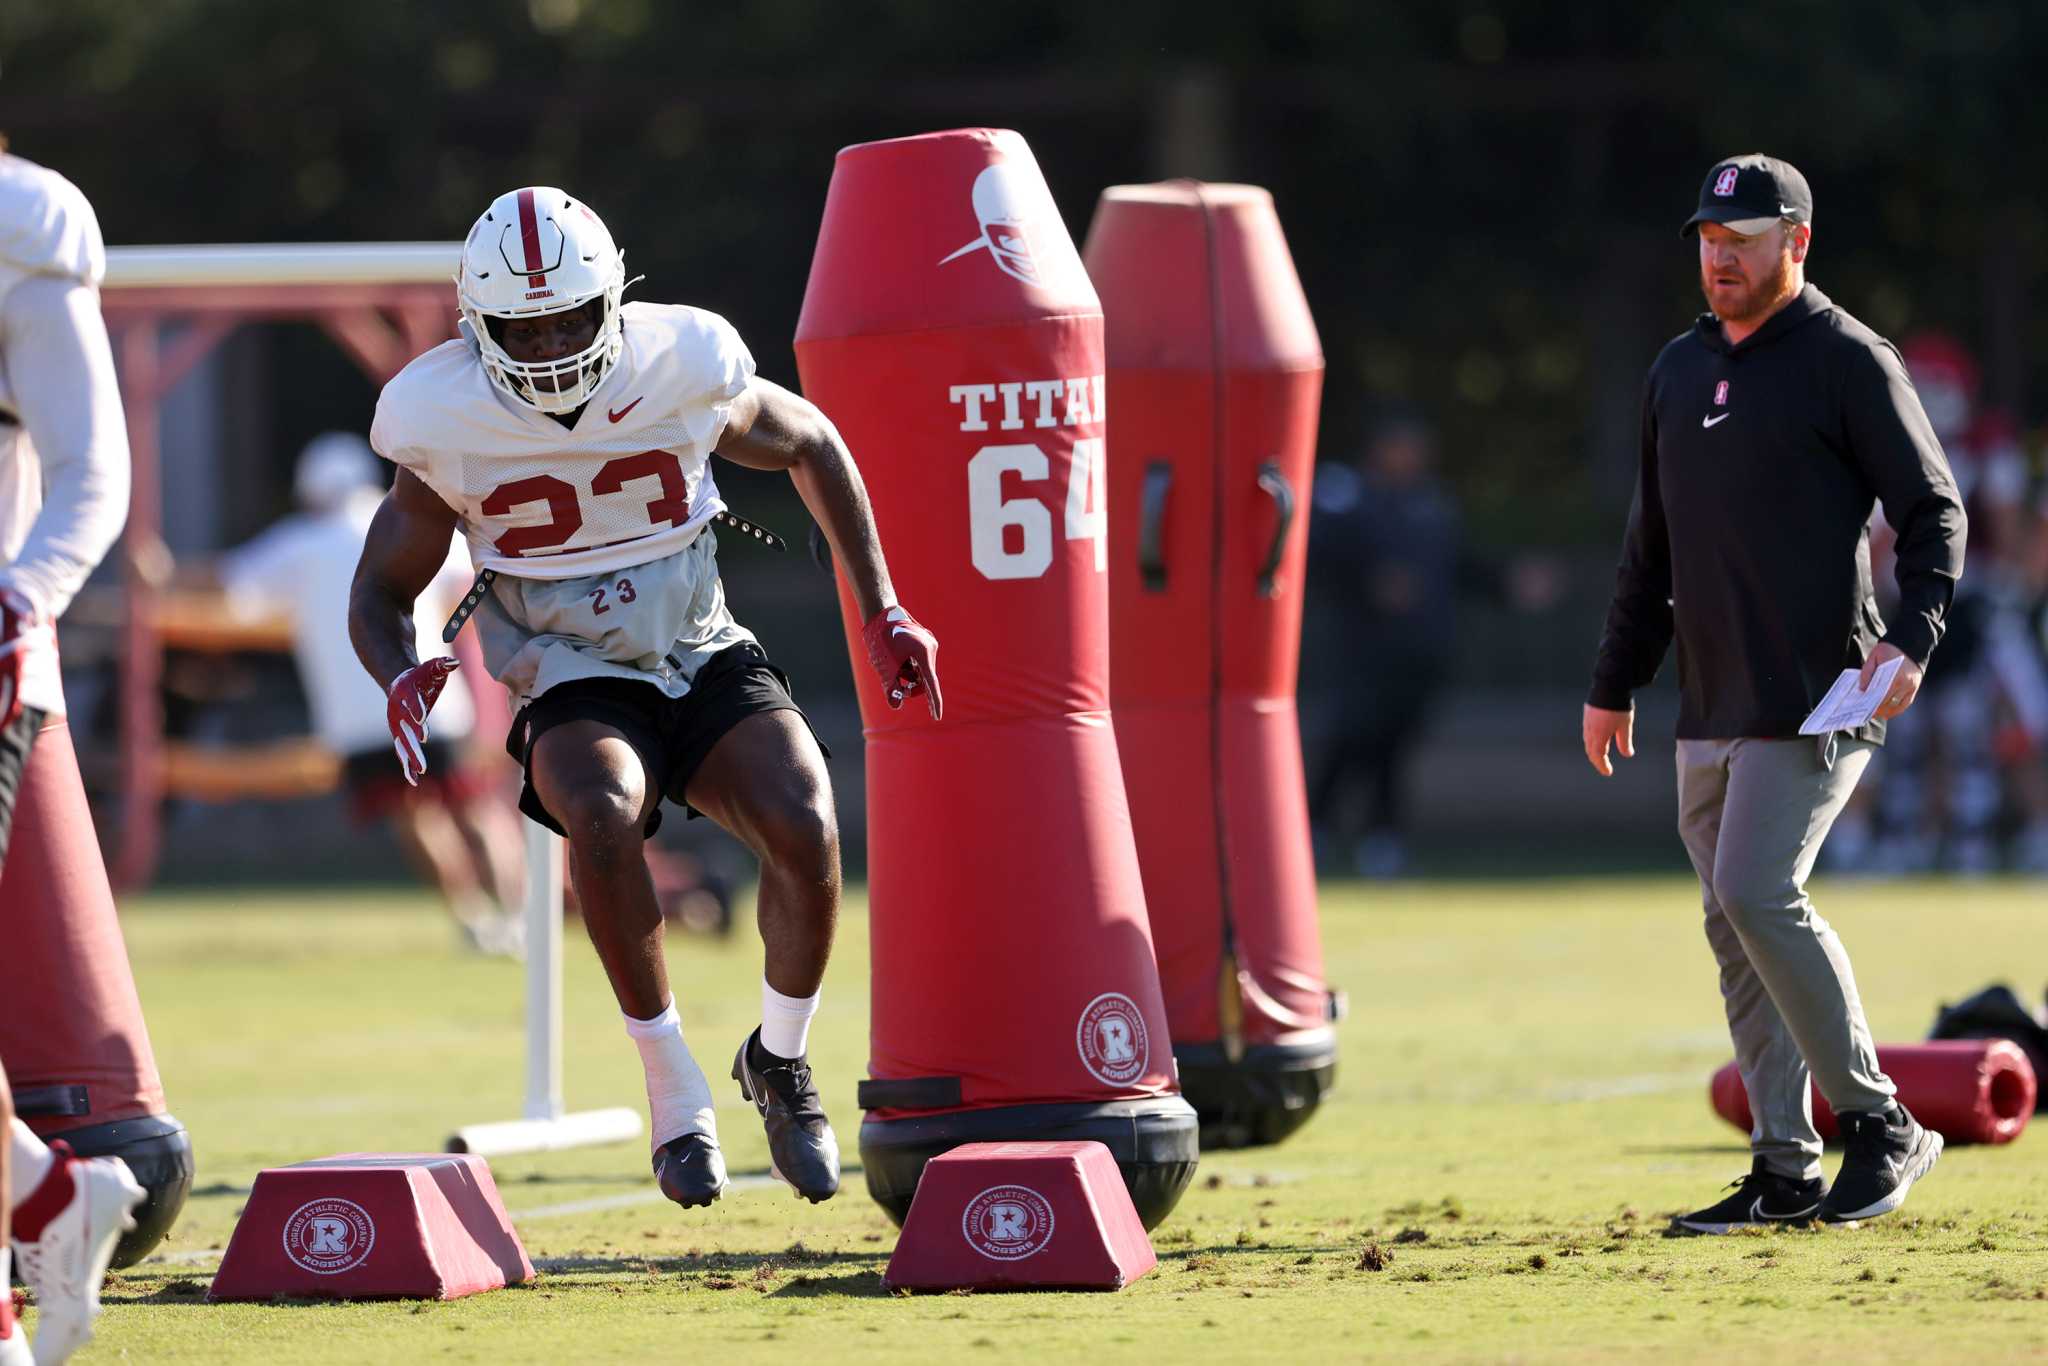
column 1482, row 196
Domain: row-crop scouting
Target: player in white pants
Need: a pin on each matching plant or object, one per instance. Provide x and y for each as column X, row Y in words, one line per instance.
column 569, row 436
column 63, row 498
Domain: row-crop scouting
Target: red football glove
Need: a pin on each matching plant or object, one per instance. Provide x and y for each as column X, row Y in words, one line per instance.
column 20, row 631
column 905, row 656
column 413, row 694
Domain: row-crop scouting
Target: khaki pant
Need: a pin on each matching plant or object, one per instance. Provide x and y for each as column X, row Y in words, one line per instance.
column 1753, row 814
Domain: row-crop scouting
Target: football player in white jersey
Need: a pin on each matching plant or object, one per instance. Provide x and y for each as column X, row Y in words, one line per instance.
column 568, row 435
column 63, row 499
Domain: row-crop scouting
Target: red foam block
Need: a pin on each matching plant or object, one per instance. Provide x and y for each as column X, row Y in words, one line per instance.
column 1966, row 1090
column 1009, row 1216
column 424, row 1226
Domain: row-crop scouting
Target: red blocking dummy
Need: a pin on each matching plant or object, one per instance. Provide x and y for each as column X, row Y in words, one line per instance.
column 1966, row 1090
column 1216, row 372
column 77, row 1052
column 1021, row 1216
column 949, row 332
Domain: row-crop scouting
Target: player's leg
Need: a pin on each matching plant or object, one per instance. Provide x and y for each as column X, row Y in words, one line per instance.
column 435, row 847
column 765, row 781
column 490, row 830
column 1784, row 1182
column 61, row 1230
column 1782, row 798
column 593, row 781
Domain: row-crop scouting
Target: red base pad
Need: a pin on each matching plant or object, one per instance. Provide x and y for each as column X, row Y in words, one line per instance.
column 1009, row 1216
column 1966, row 1090
column 425, row 1226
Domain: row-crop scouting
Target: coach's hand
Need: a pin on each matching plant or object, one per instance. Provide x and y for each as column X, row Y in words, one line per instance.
column 1600, row 726
column 413, row 694
column 1905, row 684
column 21, row 630
column 905, row 656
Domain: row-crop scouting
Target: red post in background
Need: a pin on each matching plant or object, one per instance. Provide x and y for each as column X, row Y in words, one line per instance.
column 950, row 333
column 72, row 1035
column 1216, row 373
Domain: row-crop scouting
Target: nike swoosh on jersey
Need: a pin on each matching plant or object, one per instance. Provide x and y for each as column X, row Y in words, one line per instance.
column 1704, row 422
column 615, row 416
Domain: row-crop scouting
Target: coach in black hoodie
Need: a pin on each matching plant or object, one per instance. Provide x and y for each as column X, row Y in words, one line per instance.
column 1769, row 430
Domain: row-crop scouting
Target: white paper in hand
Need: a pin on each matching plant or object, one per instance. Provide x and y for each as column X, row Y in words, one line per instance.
column 1846, row 706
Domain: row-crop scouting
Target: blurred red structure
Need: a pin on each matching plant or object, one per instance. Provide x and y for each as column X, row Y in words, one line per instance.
column 167, row 308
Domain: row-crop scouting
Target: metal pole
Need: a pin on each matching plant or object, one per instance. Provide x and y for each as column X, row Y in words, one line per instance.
column 543, row 973
column 141, row 671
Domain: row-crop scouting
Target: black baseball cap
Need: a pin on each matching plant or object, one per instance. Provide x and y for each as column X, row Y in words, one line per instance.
column 1749, row 193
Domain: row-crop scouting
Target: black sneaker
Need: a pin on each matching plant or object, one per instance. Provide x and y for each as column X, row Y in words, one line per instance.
column 1884, row 1154
column 801, row 1149
column 690, row 1170
column 1762, row 1197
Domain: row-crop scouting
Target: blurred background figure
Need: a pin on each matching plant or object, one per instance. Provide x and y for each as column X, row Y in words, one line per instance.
column 1963, row 779
column 1388, row 561
column 460, row 835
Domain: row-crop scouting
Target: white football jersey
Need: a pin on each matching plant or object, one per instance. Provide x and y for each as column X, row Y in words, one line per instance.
column 61, row 505
column 628, row 483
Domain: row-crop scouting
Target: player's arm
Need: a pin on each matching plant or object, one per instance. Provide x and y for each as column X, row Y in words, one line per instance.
column 61, row 371
column 406, row 546
column 1640, row 623
column 770, row 428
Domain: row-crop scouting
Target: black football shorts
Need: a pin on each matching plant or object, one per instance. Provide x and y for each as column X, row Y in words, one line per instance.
column 671, row 734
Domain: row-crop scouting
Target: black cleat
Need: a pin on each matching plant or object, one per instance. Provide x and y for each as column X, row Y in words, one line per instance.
column 802, row 1152
column 1760, row 1198
column 1884, row 1154
column 690, row 1170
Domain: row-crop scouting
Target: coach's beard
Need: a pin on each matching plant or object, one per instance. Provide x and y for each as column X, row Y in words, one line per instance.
column 1756, row 302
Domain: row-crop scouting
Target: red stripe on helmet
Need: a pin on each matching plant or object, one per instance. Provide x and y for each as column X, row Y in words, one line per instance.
column 529, row 236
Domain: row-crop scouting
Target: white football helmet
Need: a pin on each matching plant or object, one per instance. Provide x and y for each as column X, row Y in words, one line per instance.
column 538, row 251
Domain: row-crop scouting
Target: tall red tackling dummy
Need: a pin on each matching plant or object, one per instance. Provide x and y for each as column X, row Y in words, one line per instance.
column 951, row 334
column 1216, row 372
column 71, row 1031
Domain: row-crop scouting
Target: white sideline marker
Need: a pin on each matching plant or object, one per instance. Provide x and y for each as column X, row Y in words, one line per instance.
column 546, row 1126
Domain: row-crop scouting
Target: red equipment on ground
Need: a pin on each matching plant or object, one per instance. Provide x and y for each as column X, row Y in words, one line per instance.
column 426, row 1226
column 1013, row 1216
column 77, row 1052
column 951, row 334
column 1217, row 372
column 1966, row 1090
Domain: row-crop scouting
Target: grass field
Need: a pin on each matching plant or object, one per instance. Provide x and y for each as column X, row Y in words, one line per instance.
column 1521, row 1106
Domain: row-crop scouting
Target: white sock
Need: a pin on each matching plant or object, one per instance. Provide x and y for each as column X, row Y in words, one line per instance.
column 30, row 1160
column 678, row 1096
column 786, row 1021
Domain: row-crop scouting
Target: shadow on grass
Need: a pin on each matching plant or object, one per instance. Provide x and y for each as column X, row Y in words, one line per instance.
column 1735, row 1148
column 714, row 1263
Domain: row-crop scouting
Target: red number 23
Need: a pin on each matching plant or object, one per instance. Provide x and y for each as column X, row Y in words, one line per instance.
column 565, row 508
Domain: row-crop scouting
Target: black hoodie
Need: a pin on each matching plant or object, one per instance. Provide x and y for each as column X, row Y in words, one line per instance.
column 1749, row 537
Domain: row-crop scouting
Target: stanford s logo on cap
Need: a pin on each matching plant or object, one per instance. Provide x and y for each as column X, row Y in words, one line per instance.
column 1724, row 184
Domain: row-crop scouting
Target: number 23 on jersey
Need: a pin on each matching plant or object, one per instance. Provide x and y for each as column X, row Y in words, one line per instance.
column 564, row 501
